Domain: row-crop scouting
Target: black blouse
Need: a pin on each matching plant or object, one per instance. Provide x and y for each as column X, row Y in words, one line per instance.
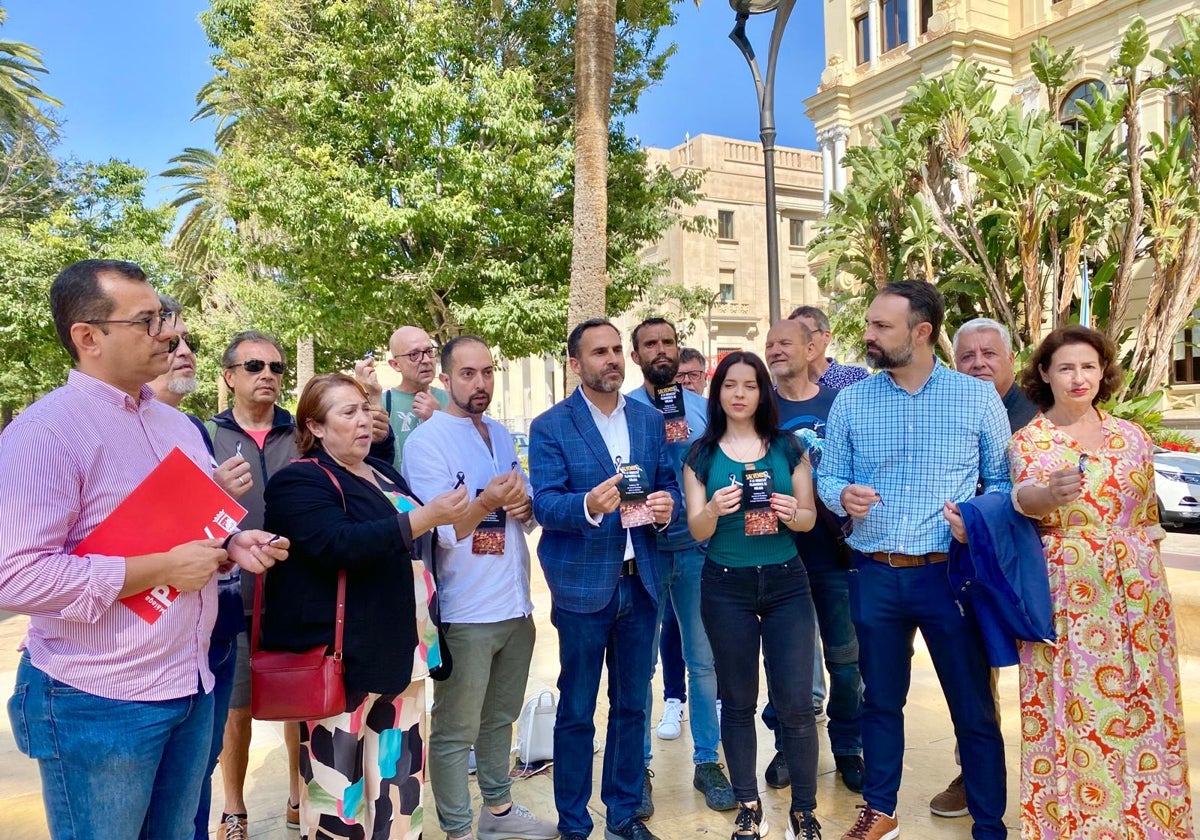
column 372, row 542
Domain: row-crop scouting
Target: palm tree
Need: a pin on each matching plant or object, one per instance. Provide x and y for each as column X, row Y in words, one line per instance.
column 595, row 57
column 201, row 191
column 21, row 100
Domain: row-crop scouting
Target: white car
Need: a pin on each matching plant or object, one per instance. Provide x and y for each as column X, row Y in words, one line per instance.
column 1177, row 480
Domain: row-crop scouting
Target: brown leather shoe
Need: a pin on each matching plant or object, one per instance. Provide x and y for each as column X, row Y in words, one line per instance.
column 952, row 802
column 292, row 815
column 872, row 825
column 232, row 827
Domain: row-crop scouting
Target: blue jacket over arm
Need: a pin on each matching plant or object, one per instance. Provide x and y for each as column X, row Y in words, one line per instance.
column 1002, row 572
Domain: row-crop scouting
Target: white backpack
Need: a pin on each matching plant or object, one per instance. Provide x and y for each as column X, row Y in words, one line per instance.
column 535, row 728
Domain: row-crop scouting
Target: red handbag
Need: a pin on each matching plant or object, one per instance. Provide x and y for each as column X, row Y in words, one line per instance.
column 298, row 686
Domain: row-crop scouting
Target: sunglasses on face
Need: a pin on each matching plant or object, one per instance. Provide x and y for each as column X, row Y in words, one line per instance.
column 191, row 339
column 257, row 365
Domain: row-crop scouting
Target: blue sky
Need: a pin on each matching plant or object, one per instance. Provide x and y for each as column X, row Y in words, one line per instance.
column 127, row 72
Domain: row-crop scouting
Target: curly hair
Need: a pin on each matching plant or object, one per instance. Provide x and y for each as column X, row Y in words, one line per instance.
column 1038, row 390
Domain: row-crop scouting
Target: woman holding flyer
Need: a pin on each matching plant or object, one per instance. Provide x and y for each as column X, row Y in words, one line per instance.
column 747, row 486
column 347, row 512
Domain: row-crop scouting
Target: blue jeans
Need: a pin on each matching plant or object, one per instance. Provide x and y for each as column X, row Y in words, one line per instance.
column 679, row 572
column 670, row 654
column 112, row 769
column 770, row 606
column 222, row 660
column 831, row 599
column 888, row 606
column 620, row 635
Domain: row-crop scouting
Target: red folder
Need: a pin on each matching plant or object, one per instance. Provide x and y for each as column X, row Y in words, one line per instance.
column 177, row 503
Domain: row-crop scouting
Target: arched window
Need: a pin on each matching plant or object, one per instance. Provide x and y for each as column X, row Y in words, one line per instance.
column 1090, row 91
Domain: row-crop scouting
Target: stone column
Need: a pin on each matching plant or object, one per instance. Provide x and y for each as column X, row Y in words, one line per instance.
column 914, row 11
column 874, row 33
column 825, row 144
column 840, row 134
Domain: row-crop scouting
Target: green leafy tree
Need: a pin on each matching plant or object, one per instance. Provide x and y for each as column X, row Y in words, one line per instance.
column 413, row 162
column 101, row 214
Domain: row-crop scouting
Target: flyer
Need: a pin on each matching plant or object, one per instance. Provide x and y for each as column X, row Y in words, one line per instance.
column 757, row 487
column 634, row 509
column 669, row 401
column 488, row 537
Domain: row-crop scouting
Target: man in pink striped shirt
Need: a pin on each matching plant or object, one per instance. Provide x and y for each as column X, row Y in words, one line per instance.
column 118, row 712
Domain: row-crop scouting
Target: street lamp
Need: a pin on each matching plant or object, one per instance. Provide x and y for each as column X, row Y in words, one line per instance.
column 766, row 119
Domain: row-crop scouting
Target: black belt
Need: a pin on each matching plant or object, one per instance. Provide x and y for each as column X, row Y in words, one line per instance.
column 629, row 567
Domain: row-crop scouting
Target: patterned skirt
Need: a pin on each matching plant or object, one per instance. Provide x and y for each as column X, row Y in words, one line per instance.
column 363, row 770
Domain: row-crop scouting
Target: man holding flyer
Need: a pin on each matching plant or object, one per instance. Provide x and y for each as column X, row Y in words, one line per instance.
column 68, row 461
column 680, row 559
column 482, row 573
column 602, row 572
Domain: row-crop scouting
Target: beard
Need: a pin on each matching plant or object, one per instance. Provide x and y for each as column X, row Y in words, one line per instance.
column 660, row 374
column 469, row 405
column 880, row 359
column 598, row 380
column 182, row 385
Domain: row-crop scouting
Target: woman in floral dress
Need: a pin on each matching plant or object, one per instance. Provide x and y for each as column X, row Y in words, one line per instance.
column 1102, row 749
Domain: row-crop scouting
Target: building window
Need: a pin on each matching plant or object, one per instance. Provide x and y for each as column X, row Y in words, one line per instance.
column 725, row 289
column 1185, row 364
column 796, row 233
column 926, row 14
column 725, row 224
column 862, row 40
column 1091, row 92
column 895, row 23
column 1177, row 112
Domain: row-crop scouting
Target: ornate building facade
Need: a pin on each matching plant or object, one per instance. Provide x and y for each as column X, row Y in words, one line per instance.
column 876, row 49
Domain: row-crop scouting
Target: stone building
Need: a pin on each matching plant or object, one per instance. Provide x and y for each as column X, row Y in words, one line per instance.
column 876, row 49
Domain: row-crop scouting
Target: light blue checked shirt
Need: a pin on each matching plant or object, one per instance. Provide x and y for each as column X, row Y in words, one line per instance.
column 917, row 451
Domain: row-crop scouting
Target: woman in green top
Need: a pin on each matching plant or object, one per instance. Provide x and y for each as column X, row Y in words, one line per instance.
column 754, row 589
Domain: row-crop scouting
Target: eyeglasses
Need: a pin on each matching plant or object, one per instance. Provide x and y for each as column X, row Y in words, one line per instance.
column 191, row 339
column 256, row 366
column 685, row 375
column 417, row 355
column 154, row 324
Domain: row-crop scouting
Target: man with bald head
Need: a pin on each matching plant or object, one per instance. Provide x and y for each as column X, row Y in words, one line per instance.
column 413, row 401
column 791, row 351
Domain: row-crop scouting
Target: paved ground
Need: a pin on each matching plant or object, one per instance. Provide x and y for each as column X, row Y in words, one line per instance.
column 929, row 761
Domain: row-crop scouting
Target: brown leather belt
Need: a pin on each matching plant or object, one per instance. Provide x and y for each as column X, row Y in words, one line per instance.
column 907, row 561
column 629, row 567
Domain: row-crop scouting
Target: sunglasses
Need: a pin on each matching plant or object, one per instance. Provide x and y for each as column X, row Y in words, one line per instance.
column 257, row 365
column 191, row 339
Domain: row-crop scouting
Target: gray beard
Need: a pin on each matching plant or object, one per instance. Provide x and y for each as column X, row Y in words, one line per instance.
column 182, row 385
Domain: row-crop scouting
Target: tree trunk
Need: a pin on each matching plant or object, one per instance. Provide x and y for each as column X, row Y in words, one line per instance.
column 304, row 362
column 6, row 415
column 1122, row 282
column 595, row 55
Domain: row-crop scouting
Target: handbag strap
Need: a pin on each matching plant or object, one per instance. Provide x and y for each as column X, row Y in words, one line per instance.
column 260, row 584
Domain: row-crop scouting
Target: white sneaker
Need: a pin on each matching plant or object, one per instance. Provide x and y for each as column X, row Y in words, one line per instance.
column 670, row 725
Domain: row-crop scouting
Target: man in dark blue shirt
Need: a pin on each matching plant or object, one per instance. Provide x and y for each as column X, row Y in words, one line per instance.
column 803, row 410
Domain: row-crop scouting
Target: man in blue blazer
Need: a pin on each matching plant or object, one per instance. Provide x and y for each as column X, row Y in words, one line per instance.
column 603, row 577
